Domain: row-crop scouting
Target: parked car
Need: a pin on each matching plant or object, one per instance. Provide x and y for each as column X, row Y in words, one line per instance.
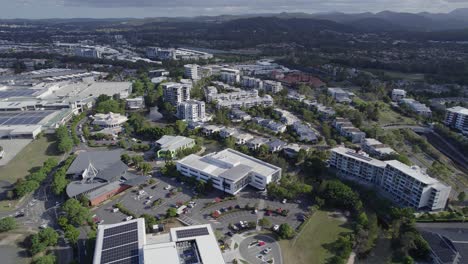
column 275, row 228
column 168, row 187
column 284, row 201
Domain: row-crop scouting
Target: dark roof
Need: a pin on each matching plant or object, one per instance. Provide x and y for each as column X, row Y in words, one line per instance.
column 100, row 160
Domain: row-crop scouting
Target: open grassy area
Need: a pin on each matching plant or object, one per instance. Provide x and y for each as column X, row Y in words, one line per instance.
column 310, row 246
column 389, row 116
column 32, row 156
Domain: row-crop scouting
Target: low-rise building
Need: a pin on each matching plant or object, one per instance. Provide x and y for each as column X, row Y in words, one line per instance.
column 238, row 115
column 127, row 242
column 376, row 148
column 135, row 103
column 340, row 95
column 271, row 125
column 405, row 185
column 99, row 175
column 242, row 138
column 398, row 95
column 417, row 107
column 229, row 170
column 275, row 145
column 347, row 129
column 251, row 83
column 168, row 146
column 191, row 110
column 457, row 117
column 109, row 120
column 305, row 133
column 209, row 130
column 256, row 143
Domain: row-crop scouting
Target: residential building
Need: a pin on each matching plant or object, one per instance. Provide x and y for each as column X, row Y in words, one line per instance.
column 405, row 185
column 292, row 150
column 175, row 93
column 205, row 71
column 376, row 148
column 256, row 143
column 272, row 86
column 230, row 76
column 275, row 145
column 127, row 242
column 168, row 146
column 191, row 71
column 417, row 107
column 209, row 130
column 239, row 115
column 340, row 95
column 264, row 101
column 229, row 170
column 158, row 73
column 242, row 138
column 398, row 95
column 135, row 103
column 457, row 117
column 347, row 129
column 160, row 53
column 287, row 117
column 109, row 120
column 227, row 132
column 305, row 133
column 251, row 83
column 191, row 110
column 237, row 98
column 99, row 175
column 269, row 124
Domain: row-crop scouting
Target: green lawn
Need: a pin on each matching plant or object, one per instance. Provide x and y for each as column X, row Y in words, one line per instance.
column 32, row 156
column 310, row 246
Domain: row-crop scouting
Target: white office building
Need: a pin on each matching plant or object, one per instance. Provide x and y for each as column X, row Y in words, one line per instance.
column 176, row 93
column 191, row 110
column 272, row 86
column 229, row 170
column 405, row 185
column 398, row 95
column 230, row 76
column 457, row 117
column 127, row 242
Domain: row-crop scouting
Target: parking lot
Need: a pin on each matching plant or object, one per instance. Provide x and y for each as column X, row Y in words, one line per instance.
column 142, row 203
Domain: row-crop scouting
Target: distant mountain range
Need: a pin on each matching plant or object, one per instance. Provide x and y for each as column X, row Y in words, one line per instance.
column 372, row 22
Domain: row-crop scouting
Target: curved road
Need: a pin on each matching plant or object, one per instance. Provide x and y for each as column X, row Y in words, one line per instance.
column 250, row 253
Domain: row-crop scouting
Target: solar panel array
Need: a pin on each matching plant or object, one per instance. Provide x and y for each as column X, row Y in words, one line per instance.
column 16, row 93
column 23, row 118
column 202, row 231
column 120, row 245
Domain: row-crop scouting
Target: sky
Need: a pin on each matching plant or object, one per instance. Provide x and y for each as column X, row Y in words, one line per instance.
column 171, row 8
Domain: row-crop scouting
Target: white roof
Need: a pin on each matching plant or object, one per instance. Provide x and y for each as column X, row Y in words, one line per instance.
column 217, row 163
column 372, row 142
column 413, row 171
column 163, row 251
column 173, row 143
column 350, row 153
column 459, row 110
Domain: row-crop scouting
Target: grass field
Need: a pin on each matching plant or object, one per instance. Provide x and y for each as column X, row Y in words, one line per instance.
column 310, row 246
column 32, row 156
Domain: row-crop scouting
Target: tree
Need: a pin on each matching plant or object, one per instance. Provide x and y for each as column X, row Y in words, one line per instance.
column 8, row 223
column 72, row 233
column 47, row 259
column 77, row 214
column 65, row 142
column 40, row 241
column 264, row 222
column 59, row 182
column 125, row 158
column 181, row 126
column 145, row 168
column 286, row 231
column 461, row 197
column 171, row 212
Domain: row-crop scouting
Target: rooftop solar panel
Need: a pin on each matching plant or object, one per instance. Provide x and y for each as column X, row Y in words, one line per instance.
column 23, row 118
column 358, row 156
column 120, row 253
column 202, row 231
column 120, row 229
column 16, row 93
column 120, row 239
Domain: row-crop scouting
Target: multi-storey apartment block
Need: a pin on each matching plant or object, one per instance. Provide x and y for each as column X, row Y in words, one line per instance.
column 457, row 117
column 405, row 185
column 175, row 93
column 191, row 110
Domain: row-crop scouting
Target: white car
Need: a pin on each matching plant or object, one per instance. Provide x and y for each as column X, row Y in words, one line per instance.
column 167, row 187
column 128, row 218
column 275, row 227
column 267, row 250
column 284, row 201
column 150, row 197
